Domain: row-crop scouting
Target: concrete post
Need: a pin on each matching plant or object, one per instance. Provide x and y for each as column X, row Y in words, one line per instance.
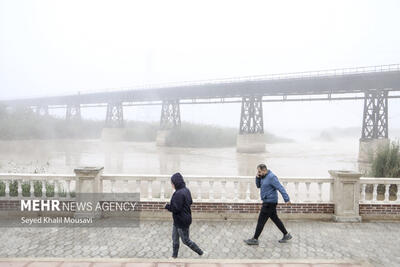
column 346, row 195
column 88, row 188
column 88, row 179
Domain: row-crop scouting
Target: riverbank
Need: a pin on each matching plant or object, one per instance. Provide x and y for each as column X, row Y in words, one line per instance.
column 24, row 124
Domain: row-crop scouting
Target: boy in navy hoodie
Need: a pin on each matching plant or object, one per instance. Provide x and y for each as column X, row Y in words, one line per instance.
column 182, row 215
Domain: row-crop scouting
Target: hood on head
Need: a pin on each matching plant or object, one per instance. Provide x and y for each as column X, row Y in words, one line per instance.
column 178, row 181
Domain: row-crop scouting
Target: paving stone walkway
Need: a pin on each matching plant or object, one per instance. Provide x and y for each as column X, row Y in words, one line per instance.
column 374, row 242
column 157, row 263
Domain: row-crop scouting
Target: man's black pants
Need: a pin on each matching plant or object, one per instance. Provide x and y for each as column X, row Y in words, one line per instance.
column 268, row 210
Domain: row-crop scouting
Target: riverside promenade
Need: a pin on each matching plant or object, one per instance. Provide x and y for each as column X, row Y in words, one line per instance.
column 341, row 220
column 314, row 242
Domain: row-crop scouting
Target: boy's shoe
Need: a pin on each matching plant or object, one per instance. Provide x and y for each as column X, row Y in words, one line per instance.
column 251, row 241
column 204, row 254
column 172, row 258
column 285, row 238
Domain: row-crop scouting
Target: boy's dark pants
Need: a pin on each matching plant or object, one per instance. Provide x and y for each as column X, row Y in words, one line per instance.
column 184, row 234
column 268, row 210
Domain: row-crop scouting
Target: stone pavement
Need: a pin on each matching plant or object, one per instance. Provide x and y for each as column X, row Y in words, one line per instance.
column 374, row 242
column 59, row 262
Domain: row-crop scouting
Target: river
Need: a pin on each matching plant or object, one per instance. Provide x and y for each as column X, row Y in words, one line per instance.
column 297, row 159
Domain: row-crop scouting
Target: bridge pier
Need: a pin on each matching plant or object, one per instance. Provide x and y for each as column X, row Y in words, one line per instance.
column 251, row 137
column 114, row 127
column 42, row 110
column 170, row 119
column 375, row 124
column 73, row 112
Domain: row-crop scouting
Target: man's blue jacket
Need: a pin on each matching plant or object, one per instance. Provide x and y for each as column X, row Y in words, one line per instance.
column 269, row 184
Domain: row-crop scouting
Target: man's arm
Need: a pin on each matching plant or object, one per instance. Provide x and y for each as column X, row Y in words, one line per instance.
column 258, row 182
column 280, row 188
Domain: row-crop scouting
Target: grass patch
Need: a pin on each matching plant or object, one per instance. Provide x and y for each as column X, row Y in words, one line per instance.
column 386, row 163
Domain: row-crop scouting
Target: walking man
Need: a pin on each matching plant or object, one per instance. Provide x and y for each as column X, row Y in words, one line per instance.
column 182, row 215
column 268, row 183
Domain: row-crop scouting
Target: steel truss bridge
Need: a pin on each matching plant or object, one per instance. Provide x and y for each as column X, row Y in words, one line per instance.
column 374, row 85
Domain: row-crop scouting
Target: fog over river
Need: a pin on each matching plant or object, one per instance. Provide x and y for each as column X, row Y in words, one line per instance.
column 300, row 158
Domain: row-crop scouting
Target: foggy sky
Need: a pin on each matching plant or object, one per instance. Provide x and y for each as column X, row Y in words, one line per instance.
column 57, row 47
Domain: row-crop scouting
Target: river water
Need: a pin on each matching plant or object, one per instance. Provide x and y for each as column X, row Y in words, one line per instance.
column 298, row 159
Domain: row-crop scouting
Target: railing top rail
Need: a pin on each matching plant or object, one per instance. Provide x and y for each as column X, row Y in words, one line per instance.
column 379, row 180
column 208, row 177
column 109, row 176
column 33, row 176
column 274, row 76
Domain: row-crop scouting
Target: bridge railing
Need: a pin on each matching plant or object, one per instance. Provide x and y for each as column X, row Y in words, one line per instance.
column 276, row 76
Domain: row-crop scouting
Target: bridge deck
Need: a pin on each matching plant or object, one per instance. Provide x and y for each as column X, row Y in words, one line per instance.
column 308, row 83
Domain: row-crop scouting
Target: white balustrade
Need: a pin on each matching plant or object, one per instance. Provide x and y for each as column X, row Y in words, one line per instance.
column 199, row 190
column 296, row 191
column 363, row 188
column 236, row 192
column 113, row 189
column 162, row 195
column 150, row 190
column 308, row 184
column 63, row 185
column 373, row 196
column 248, row 191
column 211, row 190
column 240, row 189
column 224, row 188
column 320, row 192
